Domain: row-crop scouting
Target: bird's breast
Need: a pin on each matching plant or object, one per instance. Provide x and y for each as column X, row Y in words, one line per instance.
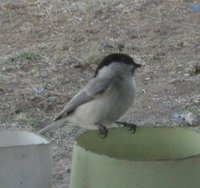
column 106, row 108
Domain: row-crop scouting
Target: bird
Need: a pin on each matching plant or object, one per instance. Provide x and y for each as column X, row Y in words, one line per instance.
column 104, row 99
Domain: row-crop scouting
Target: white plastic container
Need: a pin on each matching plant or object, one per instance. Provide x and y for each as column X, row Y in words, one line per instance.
column 25, row 160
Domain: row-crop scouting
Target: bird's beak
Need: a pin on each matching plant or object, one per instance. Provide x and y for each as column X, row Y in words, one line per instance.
column 137, row 65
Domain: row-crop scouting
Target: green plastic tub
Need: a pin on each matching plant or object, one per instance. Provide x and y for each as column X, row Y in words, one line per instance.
column 153, row 157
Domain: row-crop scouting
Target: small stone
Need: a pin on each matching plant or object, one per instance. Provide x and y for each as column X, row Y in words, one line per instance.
column 147, row 78
column 193, row 69
column 93, row 66
column 107, row 45
column 120, row 47
column 1, row 90
column 197, row 100
column 53, row 98
column 17, row 111
column 192, row 119
column 76, row 65
column 185, row 118
column 3, row 68
column 186, row 74
column 197, row 68
column 33, row 98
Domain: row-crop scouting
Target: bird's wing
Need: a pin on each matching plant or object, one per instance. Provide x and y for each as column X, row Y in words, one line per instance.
column 88, row 93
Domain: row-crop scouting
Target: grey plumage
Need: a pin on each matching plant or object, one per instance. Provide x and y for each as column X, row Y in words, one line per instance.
column 105, row 98
column 88, row 93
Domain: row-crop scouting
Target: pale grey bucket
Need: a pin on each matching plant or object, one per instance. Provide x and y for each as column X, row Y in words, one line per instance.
column 25, row 160
column 153, row 157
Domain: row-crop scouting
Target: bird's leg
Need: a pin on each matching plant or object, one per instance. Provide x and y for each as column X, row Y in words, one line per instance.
column 132, row 127
column 103, row 131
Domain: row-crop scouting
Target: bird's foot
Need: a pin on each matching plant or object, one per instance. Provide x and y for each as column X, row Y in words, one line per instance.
column 103, row 131
column 132, row 127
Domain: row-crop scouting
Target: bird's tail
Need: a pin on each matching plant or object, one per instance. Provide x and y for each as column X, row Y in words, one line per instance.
column 51, row 126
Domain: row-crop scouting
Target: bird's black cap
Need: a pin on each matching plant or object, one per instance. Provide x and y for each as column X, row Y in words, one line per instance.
column 115, row 57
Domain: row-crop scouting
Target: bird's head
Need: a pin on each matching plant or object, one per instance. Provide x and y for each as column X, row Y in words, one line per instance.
column 117, row 62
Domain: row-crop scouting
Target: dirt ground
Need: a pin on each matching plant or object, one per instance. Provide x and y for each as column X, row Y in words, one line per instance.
column 50, row 49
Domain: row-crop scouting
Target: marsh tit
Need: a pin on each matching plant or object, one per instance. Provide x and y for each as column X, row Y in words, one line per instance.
column 104, row 99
